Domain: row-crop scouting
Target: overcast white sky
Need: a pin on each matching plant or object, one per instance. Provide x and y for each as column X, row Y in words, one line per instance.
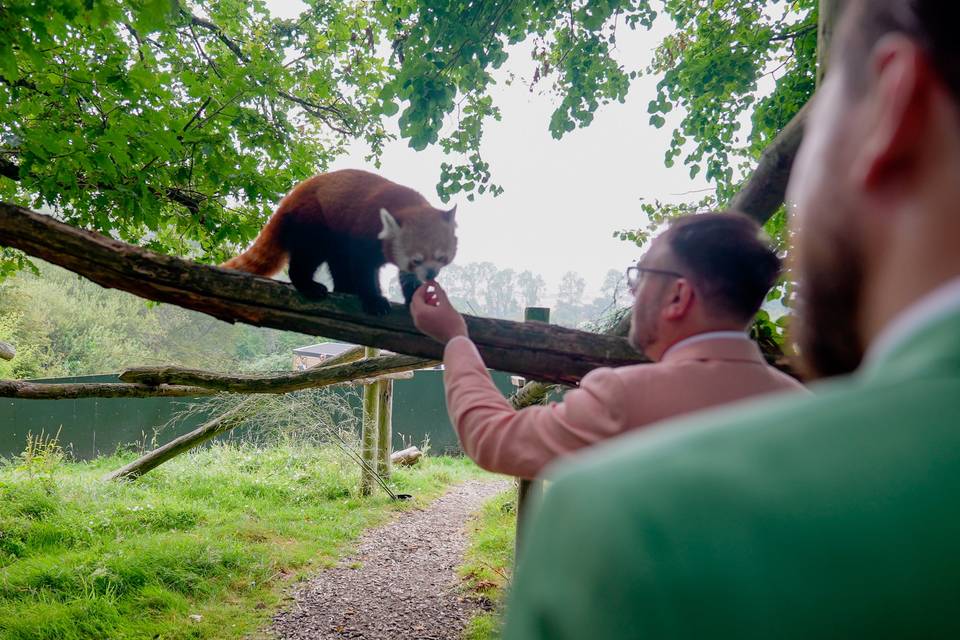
column 562, row 199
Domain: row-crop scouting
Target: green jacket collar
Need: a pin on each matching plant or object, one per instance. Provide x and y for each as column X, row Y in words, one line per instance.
column 932, row 347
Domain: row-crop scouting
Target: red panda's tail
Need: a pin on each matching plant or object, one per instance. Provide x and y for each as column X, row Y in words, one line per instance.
column 266, row 256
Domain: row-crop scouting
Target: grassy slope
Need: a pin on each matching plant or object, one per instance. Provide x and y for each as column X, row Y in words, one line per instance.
column 489, row 561
column 201, row 548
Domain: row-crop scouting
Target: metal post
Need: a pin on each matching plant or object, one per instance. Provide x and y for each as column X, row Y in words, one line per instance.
column 528, row 490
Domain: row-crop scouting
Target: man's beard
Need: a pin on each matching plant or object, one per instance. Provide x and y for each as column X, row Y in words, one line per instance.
column 825, row 328
column 643, row 332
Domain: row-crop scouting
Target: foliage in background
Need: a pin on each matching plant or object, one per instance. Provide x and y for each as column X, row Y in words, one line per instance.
column 63, row 325
column 174, row 126
column 203, row 547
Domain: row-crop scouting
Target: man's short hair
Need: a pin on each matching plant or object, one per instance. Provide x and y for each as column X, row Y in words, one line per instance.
column 932, row 24
column 725, row 255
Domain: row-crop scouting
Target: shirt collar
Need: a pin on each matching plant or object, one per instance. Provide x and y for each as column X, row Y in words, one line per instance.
column 714, row 345
column 941, row 302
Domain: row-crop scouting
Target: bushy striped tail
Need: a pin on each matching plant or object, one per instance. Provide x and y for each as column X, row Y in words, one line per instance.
column 267, row 255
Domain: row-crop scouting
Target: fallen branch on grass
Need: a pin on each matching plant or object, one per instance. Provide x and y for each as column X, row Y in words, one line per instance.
column 214, row 427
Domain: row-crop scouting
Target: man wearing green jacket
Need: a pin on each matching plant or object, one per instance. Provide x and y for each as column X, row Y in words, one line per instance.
column 836, row 516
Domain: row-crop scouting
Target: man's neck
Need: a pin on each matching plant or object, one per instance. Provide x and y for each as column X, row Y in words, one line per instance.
column 731, row 332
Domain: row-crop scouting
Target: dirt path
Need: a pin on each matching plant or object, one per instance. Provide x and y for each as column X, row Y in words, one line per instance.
column 402, row 581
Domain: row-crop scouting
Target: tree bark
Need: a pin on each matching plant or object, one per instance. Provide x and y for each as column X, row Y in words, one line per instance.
column 766, row 188
column 7, row 352
column 211, row 428
column 314, row 378
column 384, row 427
column 55, row 391
column 368, row 435
column 166, row 382
column 538, row 352
column 828, row 14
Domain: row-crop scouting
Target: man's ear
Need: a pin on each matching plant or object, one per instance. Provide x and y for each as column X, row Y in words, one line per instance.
column 680, row 300
column 900, row 100
column 391, row 228
column 448, row 216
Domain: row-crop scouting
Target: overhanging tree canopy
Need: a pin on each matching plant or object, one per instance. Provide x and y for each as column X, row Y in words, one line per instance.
column 178, row 126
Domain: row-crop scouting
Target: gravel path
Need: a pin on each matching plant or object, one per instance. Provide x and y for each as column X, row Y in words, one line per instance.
column 402, row 581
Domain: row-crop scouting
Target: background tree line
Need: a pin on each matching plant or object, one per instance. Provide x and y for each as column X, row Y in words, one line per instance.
column 482, row 288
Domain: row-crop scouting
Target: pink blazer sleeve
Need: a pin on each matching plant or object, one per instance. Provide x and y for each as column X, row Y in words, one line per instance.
column 521, row 443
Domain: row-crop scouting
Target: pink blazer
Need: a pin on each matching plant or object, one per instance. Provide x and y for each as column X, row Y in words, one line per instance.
column 607, row 403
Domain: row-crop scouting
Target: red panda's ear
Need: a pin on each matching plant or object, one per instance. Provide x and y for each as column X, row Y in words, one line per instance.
column 449, row 215
column 391, row 227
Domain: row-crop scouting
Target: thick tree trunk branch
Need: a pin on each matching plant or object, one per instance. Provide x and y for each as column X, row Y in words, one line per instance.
column 536, row 351
column 7, row 352
column 766, row 189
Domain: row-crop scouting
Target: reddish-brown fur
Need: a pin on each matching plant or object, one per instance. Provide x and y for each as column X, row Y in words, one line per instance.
column 335, row 218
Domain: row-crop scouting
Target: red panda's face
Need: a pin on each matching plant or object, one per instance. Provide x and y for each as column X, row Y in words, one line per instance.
column 423, row 244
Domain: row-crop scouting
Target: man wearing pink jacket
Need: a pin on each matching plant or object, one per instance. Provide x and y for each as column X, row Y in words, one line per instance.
column 696, row 291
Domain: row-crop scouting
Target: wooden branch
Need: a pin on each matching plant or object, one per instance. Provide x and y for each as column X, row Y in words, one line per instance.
column 536, row 351
column 384, row 390
column 402, row 375
column 766, row 189
column 9, row 169
column 7, row 352
column 55, row 391
column 533, row 393
column 368, row 431
column 828, row 15
column 175, row 447
column 277, row 382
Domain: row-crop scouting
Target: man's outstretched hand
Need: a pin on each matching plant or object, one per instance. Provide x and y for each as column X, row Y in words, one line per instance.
column 434, row 315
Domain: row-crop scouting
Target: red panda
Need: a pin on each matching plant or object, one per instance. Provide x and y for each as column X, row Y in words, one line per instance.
column 355, row 222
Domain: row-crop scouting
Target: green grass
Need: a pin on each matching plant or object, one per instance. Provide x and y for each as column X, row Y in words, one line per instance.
column 489, row 561
column 202, row 547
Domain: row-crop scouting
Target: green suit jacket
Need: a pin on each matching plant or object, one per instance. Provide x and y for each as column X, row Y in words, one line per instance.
column 833, row 516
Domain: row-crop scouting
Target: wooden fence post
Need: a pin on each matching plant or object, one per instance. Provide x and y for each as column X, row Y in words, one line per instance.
column 384, row 426
column 368, row 434
column 528, row 489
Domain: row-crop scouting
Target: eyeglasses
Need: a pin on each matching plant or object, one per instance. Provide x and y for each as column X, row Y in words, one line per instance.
column 634, row 273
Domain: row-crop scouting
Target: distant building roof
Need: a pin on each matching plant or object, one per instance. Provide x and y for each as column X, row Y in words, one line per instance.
column 328, row 349
column 324, row 349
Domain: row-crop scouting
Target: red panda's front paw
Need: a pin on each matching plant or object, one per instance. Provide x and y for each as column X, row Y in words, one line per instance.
column 312, row 290
column 375, row 306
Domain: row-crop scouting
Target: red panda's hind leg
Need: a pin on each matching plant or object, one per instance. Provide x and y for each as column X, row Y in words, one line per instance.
column 302, row 270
